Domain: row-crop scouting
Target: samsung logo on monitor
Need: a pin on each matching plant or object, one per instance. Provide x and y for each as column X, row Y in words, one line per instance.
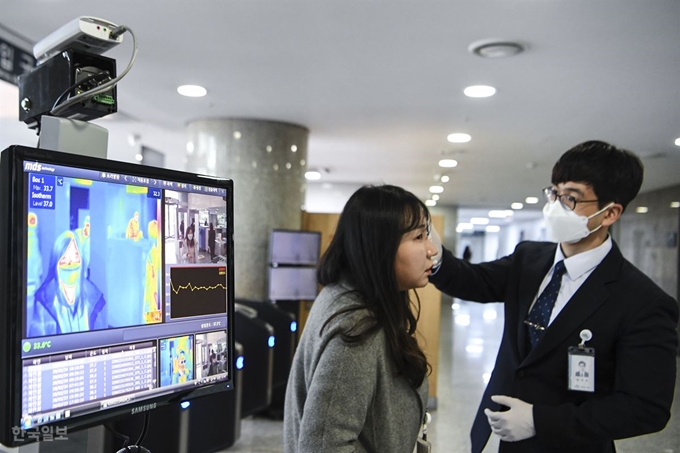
column 37, row 167
column 144, row 408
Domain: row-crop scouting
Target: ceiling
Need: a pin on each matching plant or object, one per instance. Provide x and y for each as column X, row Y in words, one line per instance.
column 380, row 83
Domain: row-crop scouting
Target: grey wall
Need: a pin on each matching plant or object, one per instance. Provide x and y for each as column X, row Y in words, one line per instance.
column 650, row 240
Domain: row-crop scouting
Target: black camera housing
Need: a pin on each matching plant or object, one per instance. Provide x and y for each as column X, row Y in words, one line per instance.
column 68, row 73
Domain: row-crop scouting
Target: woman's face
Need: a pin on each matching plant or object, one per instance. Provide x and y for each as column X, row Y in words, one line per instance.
column 413, row 263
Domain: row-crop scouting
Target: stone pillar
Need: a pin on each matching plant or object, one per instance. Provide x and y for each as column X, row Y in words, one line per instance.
column 267, row 161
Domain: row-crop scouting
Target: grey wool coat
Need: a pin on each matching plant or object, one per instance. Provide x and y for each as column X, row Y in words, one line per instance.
column 347, row 397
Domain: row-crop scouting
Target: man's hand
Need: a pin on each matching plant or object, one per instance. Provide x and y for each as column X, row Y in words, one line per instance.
column 433, row 236
column 515, row 424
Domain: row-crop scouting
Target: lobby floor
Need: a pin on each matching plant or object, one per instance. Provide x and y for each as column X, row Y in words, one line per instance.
column 470, row 335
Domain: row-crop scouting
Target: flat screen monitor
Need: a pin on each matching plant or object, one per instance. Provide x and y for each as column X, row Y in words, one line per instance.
column 288, row 247
column 292, row 283
column 106, row 309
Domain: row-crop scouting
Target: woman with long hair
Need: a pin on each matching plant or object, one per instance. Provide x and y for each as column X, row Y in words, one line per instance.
column 358, row 382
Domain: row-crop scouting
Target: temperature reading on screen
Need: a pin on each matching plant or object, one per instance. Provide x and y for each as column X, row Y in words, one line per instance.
column 42, row 191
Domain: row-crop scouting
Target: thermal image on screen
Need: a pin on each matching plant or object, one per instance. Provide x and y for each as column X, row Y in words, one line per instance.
column 124, row 291
column 176, row 360
column 93, row 256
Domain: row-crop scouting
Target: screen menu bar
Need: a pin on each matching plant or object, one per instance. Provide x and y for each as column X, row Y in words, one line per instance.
column 94, row 175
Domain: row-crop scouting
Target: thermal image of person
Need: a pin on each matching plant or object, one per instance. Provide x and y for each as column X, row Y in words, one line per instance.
column 180, row 373
column 133, row 232
column 84, row 241
column 152, row 306
column 66, row 302
column 34, row 270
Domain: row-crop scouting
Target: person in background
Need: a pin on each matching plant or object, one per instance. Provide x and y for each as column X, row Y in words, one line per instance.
column 467, row 254
column 132, row 231
column 211, row 241
column 190, row 246
column 359, row 378
column 575, row 290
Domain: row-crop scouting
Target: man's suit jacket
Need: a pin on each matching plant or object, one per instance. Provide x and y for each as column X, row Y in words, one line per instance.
column 633, row 323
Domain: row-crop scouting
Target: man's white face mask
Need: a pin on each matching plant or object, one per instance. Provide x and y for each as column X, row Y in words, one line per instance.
column 565, row 225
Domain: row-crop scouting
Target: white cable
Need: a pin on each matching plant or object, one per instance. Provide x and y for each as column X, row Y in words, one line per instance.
column 104, row 87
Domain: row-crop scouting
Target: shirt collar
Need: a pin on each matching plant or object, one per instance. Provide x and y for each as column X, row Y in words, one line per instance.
column 581, row 263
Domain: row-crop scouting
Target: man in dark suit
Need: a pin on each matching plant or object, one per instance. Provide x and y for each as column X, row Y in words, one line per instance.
column 555, row 296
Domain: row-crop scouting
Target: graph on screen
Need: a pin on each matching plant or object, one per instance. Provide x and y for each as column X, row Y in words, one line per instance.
column 197, row 291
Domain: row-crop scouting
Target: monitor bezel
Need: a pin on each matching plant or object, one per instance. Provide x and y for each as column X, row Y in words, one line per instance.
column 11, row 277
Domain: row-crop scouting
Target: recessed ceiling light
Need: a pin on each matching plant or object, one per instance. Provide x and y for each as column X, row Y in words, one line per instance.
column 517, row 206
column 435, row 197
column 465, row 226
column 430, row 203
column 192, row 91
column 436, row 189
column 479, row 221
column 675, row 204
column 139, row 157
column 677, row 141
column 458, row 138
column 293, row 148
column 445, row 179
column 479, row 91
column 312, row 175
column 448, row 163
column 496, row 48
column 493, row 229
column 641, row 209
column 237, row 135
column 190, row 147
column 498, row 214
column 531, row 200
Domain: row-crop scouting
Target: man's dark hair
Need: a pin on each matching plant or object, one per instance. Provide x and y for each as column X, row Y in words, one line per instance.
column 615, row 174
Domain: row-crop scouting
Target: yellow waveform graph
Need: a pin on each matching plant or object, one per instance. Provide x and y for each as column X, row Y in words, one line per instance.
column 192, row 288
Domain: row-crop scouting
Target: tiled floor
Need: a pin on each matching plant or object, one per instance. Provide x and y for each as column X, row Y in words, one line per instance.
column 469, row 341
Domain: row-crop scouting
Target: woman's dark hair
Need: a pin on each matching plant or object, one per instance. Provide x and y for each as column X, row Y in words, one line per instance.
column 614, row 174
column 362, row 254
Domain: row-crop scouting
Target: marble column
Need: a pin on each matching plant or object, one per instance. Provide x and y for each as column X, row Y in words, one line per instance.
column 267, row 161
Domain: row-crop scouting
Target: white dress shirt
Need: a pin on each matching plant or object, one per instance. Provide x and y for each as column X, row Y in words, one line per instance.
column 579, row 267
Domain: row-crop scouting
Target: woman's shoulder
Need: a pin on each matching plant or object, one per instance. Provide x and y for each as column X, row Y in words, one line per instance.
column 339, row 308
column 338, row 297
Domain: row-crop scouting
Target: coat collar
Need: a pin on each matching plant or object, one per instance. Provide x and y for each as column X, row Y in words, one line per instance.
column 590, row 296
column 536, row 266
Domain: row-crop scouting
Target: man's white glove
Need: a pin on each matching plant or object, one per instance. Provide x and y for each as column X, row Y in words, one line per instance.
column 437, row 242
column 515, row 424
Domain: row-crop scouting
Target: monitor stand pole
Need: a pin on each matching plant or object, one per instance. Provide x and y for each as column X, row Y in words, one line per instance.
column 73, row 136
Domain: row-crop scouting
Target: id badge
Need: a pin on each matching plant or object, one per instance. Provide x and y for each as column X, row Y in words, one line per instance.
column 581, row 369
